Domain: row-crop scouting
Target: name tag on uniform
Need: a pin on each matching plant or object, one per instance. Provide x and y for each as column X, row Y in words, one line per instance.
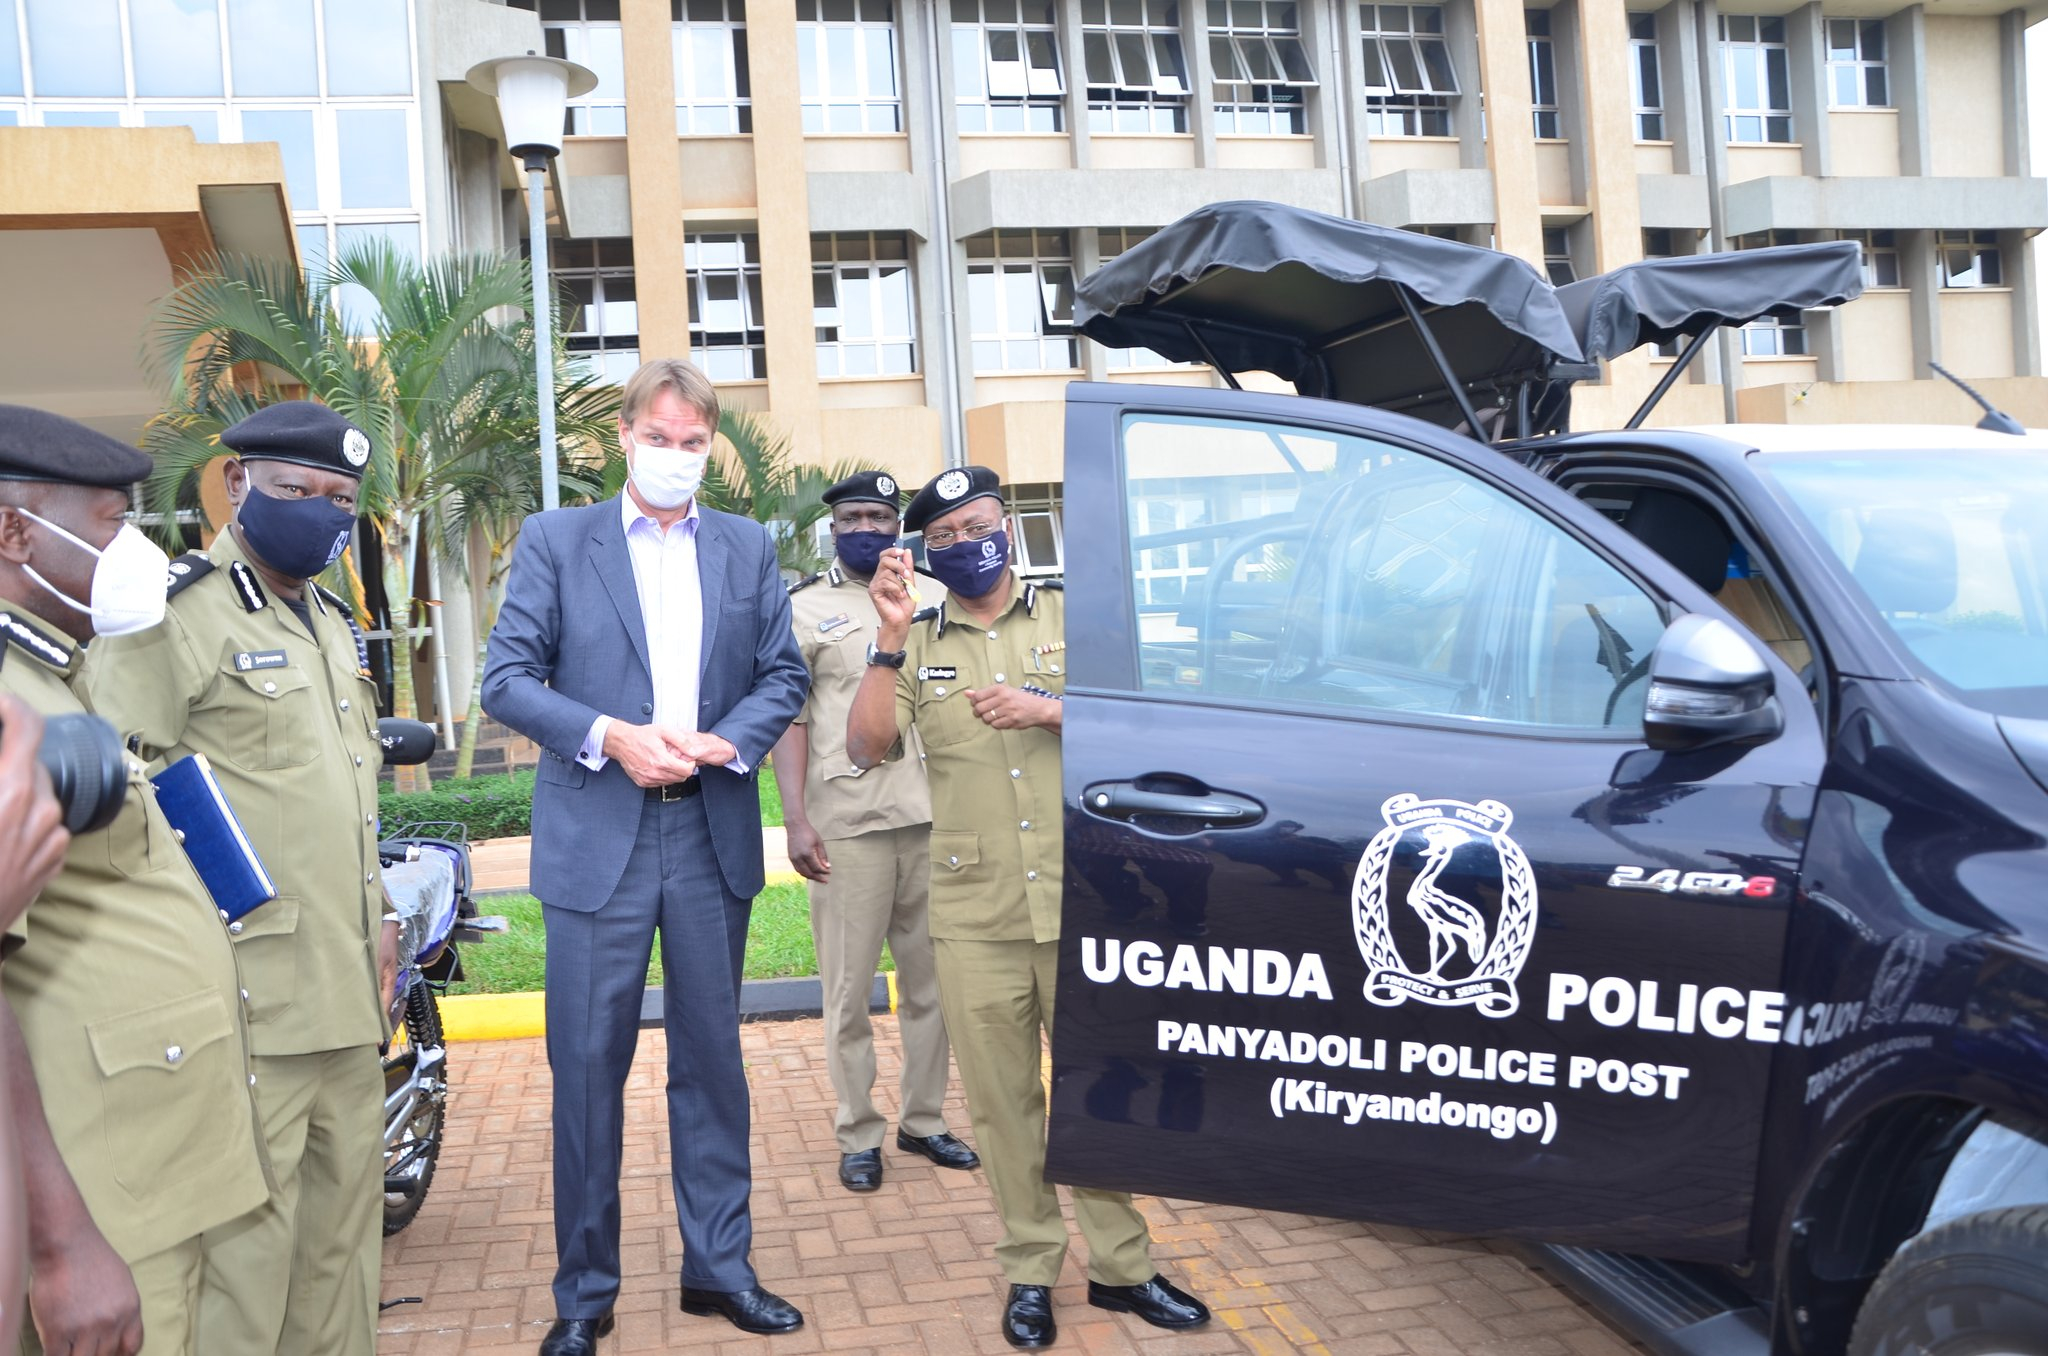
column 249, row 661
column 929, row 673
column 830, row 622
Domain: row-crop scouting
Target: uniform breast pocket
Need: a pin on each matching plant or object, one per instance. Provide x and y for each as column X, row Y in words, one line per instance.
column 844, row 650
column 270, row 720
column 167, row 1073
column 956, row 855
column 945, row 715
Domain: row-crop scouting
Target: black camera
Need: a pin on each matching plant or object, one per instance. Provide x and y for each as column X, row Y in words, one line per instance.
column 88, row 770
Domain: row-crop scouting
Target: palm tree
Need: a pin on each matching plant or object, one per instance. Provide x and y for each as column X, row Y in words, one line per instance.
column 239, row 333
column 758, row 478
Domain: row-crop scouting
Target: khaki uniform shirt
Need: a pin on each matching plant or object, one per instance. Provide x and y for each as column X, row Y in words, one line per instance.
column 996, row 810
column 123, row 982
column 289, row 720
column 835, row 622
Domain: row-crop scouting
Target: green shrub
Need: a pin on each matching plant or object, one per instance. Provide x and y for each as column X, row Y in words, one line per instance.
column 501, row 806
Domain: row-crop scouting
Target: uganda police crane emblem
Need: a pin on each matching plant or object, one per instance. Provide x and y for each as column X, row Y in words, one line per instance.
column 1469, row 962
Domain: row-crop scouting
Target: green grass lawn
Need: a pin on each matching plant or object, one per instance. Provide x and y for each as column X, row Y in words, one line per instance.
column 778, row 943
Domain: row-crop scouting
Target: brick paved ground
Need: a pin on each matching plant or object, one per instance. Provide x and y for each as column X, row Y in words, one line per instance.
column 908, row 1269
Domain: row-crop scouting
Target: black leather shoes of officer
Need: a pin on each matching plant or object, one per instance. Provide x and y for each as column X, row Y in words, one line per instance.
column 942, row 1149
column 753, row 1310
column 575, row 1336
column 861, row 1171
column 1158, row 1301
column 1027, row 1318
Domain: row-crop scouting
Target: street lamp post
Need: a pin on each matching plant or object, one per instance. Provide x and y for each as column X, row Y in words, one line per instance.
column 533, row 94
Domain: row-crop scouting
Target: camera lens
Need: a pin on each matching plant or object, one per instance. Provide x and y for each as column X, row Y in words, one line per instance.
column 88, row 770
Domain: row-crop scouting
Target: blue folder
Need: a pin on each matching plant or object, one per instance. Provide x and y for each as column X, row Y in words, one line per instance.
column 221, row 853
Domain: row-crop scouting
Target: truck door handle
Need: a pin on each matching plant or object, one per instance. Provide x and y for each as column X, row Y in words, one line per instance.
column 1216, row 809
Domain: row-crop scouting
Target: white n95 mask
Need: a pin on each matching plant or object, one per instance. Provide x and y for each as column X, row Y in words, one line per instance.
column 128, row 583
column 666, row 477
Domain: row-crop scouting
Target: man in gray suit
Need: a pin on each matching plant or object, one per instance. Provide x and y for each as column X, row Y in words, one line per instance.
column 645, row 645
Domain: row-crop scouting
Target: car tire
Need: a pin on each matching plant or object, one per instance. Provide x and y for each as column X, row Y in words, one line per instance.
column 1974, row 1286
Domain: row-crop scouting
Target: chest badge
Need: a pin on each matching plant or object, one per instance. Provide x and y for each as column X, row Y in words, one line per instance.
column 248, row 661
column 927, row 673
column 833, row 623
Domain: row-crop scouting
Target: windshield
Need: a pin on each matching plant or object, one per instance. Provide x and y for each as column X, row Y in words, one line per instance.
column 1951, row 550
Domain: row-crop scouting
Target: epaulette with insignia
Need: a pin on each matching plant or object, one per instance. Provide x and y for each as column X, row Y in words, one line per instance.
column 186, row 571
column 32, row 640
column 348, row 614
column 254, row 599
column 806, row 581
column 1056, row 585
column 925, row 613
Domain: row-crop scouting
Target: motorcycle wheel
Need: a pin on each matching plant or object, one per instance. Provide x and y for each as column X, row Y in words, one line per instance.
column 418, row 1147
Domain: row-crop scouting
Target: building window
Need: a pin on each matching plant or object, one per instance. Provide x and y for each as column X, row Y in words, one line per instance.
column 587, row 32
column 1880, row 257
column 1137, row 69
column 1262, row 67
column 1035, row 530
column 1006, row 66
column 1409, row 81
column 1773, row 337
column 727, row 338
column 861, row 305
column 1856, row 66
column 846, row 66
column 600, row 308
column 1970, row 259
column 1542, row 74
column 1557, row 255
column 1646, row 77
column 1020, row 301
column 709, row 40
column 1756, row 64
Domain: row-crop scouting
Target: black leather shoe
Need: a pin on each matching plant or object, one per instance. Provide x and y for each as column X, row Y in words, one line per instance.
column 1158, row 1301
column 575, row 1336
column 861, row 1171
column 942, row 1149
column 1027, row 1318
column 748, row 1310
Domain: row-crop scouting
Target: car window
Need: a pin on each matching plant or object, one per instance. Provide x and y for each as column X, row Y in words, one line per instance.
column 1277, row 564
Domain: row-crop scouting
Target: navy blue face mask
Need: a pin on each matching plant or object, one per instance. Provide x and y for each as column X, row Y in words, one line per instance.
column 969, row 569
column 296, row 537
column 861, row 552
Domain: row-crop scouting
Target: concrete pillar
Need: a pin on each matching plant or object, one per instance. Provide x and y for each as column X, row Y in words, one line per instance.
column 1905, row 44
column 1809, row 61
column 2023, row 276
column 1194, row 30
column 1609, row 133
column 1348, row 66
column 1684, row 68
column 784, row 222
column 2012, row 60
column 1510, row 137
column 1917, row 264
column 655, row 180
column 1322, row 39
column 1074, row 59
column 1470, row 116
column 1088, row 258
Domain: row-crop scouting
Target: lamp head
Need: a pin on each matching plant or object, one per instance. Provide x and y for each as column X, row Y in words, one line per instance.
column 533, row 94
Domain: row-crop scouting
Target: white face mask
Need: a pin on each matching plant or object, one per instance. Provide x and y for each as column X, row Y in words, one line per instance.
column 128, row 584
column 666, row 477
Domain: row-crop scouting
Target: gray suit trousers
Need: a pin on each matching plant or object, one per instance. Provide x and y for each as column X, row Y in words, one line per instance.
column 596, row 977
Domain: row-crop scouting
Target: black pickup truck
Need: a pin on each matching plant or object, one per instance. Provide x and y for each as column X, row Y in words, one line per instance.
column 1635, row 843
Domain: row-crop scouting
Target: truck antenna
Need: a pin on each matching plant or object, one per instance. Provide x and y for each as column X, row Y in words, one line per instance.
column 1995, row 420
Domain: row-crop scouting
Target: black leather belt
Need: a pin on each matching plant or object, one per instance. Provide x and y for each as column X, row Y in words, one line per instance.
column 675, row 790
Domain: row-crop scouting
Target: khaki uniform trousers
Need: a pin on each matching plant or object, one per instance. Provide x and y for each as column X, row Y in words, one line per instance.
column 169, row 1283
column 997, row 996
column 879, row 888
column 299, row 1274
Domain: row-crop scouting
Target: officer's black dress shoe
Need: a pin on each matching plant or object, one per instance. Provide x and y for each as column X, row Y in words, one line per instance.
column 861, row 1171
column 575, row 1336
column 942, row 1149
column 1027, row 1318
column 748, row 1310
column 1158, row 1301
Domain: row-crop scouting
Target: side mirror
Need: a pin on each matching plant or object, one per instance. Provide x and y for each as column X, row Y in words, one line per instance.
column 1708, row 685
column 406, row 742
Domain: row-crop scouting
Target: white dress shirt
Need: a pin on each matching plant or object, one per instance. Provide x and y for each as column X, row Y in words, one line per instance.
column 672, row 611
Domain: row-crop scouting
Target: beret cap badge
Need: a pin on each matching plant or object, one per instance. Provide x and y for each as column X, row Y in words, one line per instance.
column 952, row 485
column 885, row 484
column 355, row 446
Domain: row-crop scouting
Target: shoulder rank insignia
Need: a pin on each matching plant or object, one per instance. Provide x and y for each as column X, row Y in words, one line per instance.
column 925, row 613
column 32, row 640
column 254, row 599
column 348, row 614
column 806, row 582
column 186, row 571
column 835, row 576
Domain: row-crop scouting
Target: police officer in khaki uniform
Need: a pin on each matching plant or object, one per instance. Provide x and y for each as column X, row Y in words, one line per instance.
column 860, row 838
column 263, row 672
column 122, row 994
column 980, row 680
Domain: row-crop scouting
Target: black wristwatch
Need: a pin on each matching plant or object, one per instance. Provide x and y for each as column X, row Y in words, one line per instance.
column 886, row 659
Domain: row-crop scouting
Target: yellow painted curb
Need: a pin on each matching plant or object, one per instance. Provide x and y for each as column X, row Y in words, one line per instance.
column 892, row 990
column 784, row 878
column 493, row 1016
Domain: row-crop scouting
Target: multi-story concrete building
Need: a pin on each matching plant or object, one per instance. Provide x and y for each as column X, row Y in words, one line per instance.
column 866, row 217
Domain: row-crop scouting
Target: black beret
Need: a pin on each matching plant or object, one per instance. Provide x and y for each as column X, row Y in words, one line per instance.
column 866, row 487
column 304, row 432
column 38, row 445
column 948, row 490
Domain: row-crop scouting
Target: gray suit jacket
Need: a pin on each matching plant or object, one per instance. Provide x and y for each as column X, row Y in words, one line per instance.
column 569, row 644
